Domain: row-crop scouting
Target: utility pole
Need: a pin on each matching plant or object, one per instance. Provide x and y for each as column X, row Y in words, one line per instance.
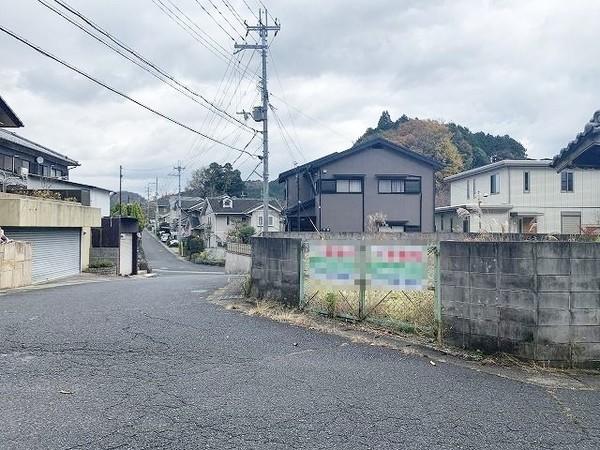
column 179, row 169
column 260, row 113
column 156, row 207
column 120, row 190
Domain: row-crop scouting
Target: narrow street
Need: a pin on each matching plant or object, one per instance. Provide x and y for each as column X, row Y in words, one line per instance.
column 150, row 363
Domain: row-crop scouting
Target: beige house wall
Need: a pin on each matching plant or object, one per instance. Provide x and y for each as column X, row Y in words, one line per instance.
column 24, row 211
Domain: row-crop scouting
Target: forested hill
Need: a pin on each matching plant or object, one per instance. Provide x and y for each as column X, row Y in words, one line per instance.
column 454, row 145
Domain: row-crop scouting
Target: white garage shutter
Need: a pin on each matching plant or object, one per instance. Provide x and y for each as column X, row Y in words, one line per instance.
column 570, row 224
column 55, row 252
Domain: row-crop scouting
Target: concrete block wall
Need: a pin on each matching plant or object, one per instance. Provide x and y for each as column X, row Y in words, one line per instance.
column 275, row 272
column 99, row 254
column 537, row 300
column 15, row 265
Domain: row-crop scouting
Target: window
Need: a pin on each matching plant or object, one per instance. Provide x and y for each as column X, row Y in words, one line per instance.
column 227, row 203
column 56, row 173
column 46, row 171
column 328, row 186
column 406, row 185
column 261, row 221
column 348, row 186
column 494, row 184
column 412, row 228
column 6, row 162
column 468, row 189
column 466, row 225
column 525, row 181
column 566, row 182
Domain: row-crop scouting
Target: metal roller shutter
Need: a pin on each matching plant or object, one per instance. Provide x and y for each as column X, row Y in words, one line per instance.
column 570, row 224
column 56, row 252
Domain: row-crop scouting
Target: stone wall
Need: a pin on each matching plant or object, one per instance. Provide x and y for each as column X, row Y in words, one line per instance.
column 100, row 254
column 538, row 300
column 15, row 265
column 275, row 269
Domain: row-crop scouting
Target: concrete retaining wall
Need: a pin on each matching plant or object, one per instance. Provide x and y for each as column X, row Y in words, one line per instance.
column 275, row 271
column 15, row 265
column 538, row 300
column 236, row 263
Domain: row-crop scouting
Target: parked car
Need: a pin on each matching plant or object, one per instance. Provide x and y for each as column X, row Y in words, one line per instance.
column 164, row 237
column 173, row 243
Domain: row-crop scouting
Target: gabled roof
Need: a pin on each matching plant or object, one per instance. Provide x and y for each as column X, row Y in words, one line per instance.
column 13, row 138
column 239, row 205
column 377, row 142
column 524, row 163
column 8, row 119
column 584, row 150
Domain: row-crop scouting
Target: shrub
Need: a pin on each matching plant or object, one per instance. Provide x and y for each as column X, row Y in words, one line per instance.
column 101, row 264
column 330, row 304
column 241, row 233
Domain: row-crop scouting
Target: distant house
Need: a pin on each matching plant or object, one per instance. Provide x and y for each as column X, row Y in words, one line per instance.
column 221, row 214
column 377, row 178
column 521, row 196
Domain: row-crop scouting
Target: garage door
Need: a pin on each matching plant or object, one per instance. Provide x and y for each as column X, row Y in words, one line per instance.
column 56, row 252
column 570, row 223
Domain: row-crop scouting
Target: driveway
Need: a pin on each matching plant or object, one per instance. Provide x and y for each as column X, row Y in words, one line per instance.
column 150, row 363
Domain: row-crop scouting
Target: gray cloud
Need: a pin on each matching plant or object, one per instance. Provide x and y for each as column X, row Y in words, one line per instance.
column 505, row 67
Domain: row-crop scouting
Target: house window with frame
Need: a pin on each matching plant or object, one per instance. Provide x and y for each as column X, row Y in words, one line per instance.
column 328, row 186
column 227, row 203
column 495, row 184
column 261, row 221
column 406, row 185
column 6, row 162
column 526, row 178
column 348, row 186
column 566, row 182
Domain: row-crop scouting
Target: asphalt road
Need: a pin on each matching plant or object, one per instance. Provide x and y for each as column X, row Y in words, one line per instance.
column 164, row 262
column 149, row 363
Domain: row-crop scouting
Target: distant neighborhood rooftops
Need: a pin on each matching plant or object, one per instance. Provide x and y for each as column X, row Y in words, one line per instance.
column 8, row 119
column 499, row 164
column 377, row 142
column 238, row 205
column 13, row 138
column 584, row 150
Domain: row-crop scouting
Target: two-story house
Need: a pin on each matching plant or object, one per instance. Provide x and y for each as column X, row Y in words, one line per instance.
column 376, row 178
column 521, row 196
column 221, row 214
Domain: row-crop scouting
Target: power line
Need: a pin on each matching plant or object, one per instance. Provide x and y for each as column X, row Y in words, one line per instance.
column 139, row 57
column 215, row 21
column 115, row 91
column 191, row 30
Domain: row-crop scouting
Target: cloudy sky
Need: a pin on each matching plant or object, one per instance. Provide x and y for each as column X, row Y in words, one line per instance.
column 523, row 68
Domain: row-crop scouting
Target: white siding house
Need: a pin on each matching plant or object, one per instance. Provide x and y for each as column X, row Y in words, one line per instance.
column 221, row 215
column 522, row 196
